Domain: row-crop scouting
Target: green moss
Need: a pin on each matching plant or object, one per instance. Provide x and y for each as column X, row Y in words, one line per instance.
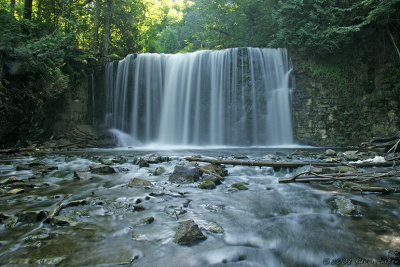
column 239, row 186
column 207, row 184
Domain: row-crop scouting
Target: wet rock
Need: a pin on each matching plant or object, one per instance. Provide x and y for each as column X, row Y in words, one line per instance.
column 330, row 153
column 215, row 168
column 351, row 155
column 143, row 163
column 148, row 220
column 3, row 217
column 11, row 180
column 63, row 220
column 120, row 160
column 207, row 184
column 215, row 179
column 158, row 171
column 188, row 234
column 16, row 191
column 345, row 206
column 31, row 216
column 185, row 173
column 280, row 154
column 138, row 208
column 106, row 161
column 2, row 191
column 10, row 222
column 102, row 169
column 78, row 175
column 138, row 182
column 37, row 163
column 239, row 186
column 213, row 227
column 21, row 167
column 152, row 158
column 240, row 156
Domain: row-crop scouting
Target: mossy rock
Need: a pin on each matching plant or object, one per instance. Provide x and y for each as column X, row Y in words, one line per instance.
column 136, row 182
column 239, row 186
column 158, row 171
column 207, row 184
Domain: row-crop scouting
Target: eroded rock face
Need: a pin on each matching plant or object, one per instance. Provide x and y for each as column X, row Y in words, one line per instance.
column 185, row 172
column 188, row 234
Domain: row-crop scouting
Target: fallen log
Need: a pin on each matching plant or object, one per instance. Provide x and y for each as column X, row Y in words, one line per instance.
column 375, row 189
column 56, row 209
column 289, row 164
column 314, row 177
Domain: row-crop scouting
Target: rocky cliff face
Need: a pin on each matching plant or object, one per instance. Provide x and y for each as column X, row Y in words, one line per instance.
column 348, row 98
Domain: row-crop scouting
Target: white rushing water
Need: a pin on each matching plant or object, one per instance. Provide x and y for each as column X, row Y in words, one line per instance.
column 234, row 97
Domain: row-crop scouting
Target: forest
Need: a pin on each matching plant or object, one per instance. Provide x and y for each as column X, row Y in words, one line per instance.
column 45, row 45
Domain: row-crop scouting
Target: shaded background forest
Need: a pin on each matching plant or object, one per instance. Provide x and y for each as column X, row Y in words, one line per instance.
column 47, row 46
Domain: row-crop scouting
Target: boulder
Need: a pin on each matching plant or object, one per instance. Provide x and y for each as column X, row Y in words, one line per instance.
column 152, row 158
column 216, row 168
column 351, row 155
column 102, row 169
column 106, row 161
column 143, row 163
column 330, row 153
column 185, row 172
column 345, row 206
column 213, row 227
column 158, row 171
column 188, row 234
column 215, row 179
column 135, row 182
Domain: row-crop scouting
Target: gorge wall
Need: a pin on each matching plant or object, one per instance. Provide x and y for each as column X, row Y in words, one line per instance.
column 347, row 98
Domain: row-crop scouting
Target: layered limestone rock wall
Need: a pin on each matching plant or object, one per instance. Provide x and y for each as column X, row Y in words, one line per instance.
column 348, row 98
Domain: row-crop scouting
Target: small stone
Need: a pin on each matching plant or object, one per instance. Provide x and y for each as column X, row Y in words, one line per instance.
column 239, row 186
column 213, row 228
column 158, row 171
column 134, row 182
column 207, row 184
column 148, row 220
column 11, row 180
column 330, row 153
column 63, row 220
column 78, row 175
column 16, row 191
column 102, row 169
column 21, row 167
column 138, row 208
column 143, row 163
column 188, row 234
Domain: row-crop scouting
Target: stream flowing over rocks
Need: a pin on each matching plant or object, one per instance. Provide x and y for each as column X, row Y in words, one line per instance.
column 154, row 208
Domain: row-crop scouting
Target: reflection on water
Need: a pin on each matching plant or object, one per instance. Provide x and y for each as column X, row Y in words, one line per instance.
column 270, row 224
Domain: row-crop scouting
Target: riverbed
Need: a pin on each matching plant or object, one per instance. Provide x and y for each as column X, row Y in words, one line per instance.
column 106, row 222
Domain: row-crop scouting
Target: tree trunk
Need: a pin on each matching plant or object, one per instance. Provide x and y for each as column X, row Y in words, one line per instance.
column 12, row 7
column 107, row 25
column 28, row 9
column 96, row 25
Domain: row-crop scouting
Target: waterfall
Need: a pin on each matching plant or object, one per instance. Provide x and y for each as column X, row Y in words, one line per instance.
column 238, row 96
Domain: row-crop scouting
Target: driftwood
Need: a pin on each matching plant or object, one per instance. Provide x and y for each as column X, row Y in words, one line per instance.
column 385, row 139
column 375, row 189
column 211, row 173
column 56, row 209
column 288, row 164
column 354, row 177
column 27, row 149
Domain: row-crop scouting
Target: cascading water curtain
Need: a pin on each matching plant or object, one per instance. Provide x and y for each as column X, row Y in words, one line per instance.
column 236, row 96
